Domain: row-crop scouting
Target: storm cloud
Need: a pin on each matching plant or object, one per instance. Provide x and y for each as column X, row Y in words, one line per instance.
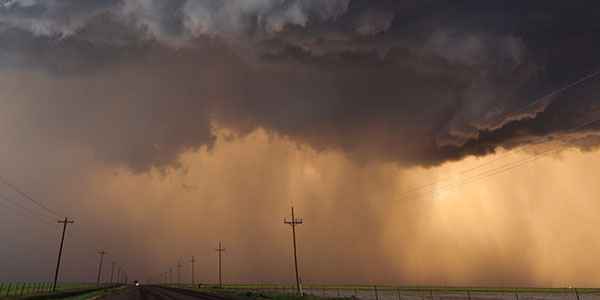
column 414, row 82
column 162, row 126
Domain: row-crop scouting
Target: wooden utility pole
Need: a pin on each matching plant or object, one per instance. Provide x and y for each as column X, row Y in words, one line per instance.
column 62, row 241
column 193, row 261
column 179, row 273
column 112, row 272
column 220, row 250
column 102, row 253
column 293, row 222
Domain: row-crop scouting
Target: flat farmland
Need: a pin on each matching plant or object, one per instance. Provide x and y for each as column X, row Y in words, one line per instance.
column 425, row 293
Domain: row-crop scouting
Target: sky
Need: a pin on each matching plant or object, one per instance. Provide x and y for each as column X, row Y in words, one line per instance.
column 422, row 142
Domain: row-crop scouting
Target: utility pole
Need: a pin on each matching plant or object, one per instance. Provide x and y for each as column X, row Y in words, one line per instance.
column 112, row 272
column 170, row 275
column 179, row 273
column 62, row 241
column 220, row 250
column 119, row 275
column 102, row 253
column 193, row 261
column 293, row 222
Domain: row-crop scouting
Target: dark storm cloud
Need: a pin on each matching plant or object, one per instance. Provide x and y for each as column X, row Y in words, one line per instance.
column 417, row 82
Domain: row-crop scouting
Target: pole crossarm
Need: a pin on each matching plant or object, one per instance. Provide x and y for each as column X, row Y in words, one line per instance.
column 295, row 221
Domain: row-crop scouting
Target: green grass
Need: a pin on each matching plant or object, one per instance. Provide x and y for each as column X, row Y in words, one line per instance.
column 96, row 294
column 16, row 290
column 274, row 295
column 20, row 288
column 246, row 293
column 287, row 292
column 388, row 288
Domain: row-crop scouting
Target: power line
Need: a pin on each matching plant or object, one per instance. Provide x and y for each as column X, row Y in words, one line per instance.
column 559, row 91
column 551, row 94
column 43, row 218
column 514, row 165
column 28, row 216
column 26, row 196
column 31, row 213
column 432, row 184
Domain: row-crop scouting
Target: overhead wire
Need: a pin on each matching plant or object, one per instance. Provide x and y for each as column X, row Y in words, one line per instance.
column 519, row 163
column 559, row 91
column 26, row 196
column 44, row 216
column 432, row 184
column 31, row 213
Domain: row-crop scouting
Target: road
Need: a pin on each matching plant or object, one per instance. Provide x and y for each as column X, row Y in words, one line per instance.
column 159, row 293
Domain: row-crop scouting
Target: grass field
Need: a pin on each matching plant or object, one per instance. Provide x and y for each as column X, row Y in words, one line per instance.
column 23, row 289
column 97, row 294
column 388, row 292
column 439, row 289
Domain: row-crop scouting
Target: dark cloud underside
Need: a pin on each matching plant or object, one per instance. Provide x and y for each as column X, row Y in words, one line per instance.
column 415, row 82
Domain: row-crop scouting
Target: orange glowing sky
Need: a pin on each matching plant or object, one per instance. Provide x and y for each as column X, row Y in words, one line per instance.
column 532, row 225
